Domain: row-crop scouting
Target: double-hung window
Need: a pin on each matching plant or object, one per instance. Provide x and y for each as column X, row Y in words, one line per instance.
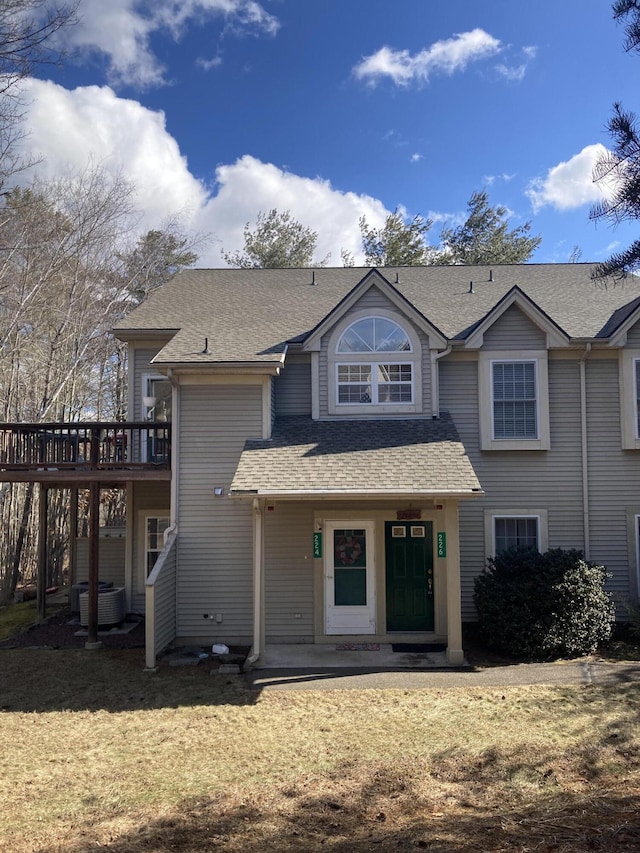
column 374, row 366
column 514, row 400
column 523, row 528
column 629, row 367
column 515, row 403
column 516, row 532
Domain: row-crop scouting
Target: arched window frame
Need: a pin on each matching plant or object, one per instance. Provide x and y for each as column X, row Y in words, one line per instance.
column 408, row 362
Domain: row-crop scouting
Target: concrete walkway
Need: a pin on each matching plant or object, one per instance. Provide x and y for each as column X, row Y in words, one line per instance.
column 317, row 667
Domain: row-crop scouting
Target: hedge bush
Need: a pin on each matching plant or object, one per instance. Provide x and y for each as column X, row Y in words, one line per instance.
column 533, row 605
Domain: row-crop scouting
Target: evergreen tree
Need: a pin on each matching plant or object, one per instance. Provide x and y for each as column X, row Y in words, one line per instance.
column 397, row 243
column 619, row 170
column 485, row 237
column 277, row 241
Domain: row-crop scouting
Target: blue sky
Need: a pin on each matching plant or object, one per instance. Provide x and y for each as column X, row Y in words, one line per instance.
column 333, row 109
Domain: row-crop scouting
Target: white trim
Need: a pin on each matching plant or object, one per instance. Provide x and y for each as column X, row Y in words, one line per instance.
column 490, row 516
column 629, row 434
column 315, row 386
column 486, row 361
column 143, row 516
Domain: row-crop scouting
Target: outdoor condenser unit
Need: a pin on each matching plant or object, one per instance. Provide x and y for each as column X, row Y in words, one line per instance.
column 112, row 606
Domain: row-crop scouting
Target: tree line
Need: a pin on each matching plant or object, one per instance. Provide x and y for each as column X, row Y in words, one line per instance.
column 279, row 240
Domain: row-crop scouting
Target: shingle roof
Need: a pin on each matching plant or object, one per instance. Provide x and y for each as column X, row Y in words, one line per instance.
column 347, row 457
column 250, row 315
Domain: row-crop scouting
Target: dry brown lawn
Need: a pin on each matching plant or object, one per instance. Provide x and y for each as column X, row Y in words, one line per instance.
column 96, row 755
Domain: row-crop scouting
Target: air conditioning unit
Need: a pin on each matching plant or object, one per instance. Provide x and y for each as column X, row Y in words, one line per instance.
column 78, row 588
column 112, row 606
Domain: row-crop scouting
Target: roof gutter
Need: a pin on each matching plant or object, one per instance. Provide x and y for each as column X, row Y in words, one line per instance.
column 371, row 494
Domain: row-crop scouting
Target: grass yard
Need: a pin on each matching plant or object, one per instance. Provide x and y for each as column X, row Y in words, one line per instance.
column 96, row 755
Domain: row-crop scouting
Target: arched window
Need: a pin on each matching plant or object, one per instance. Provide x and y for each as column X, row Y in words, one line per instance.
column 384, row 378
column 374, row 334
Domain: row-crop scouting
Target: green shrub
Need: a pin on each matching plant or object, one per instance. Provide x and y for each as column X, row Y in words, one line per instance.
column 533, row 605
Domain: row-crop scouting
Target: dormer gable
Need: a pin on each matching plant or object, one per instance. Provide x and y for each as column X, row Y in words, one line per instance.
column 554, row 335
column 374, row 280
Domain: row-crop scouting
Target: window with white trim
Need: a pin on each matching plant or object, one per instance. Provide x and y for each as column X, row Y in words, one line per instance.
column 514, row 396
column 513, row 401
column 378, row 380
column 516, row 532
column 636, row 363
column 155, row 526
column 515, row 527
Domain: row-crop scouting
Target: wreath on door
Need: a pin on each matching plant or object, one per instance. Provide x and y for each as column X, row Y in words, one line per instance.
column 348, row 551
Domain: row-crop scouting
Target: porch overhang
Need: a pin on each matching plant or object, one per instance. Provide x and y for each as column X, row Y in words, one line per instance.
column 362, row 494
column 401, row 459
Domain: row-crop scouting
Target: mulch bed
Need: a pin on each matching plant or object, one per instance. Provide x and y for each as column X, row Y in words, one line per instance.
column 57, row 633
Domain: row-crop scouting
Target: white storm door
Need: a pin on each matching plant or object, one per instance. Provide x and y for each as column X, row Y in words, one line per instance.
column 349, row 578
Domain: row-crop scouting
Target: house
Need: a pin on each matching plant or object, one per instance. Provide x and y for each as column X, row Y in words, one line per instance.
column 348, row 446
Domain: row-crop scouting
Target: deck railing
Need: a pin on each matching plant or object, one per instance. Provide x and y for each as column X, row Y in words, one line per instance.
column 93, row 446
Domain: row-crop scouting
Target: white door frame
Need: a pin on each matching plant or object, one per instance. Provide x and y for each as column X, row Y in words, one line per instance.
column 349, row 619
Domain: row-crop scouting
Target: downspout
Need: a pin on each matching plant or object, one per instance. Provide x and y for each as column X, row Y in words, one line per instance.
column 256, row 649
column 435, row 381
column 585, row 455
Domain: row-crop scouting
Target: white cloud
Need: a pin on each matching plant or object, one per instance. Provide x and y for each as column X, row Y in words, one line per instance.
column 489, row 180
column 516, row 71
column 445, row 57
column 121, row 30
column 415, row 158
column 569, row 184
column 249, row 186
column 69, row 128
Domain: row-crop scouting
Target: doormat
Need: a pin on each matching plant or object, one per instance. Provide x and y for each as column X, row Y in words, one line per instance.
column 418, row 647
column 357, row 647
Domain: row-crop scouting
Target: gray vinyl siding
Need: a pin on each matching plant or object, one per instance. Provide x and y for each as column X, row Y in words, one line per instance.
column 215, row 534
column 111, row 556
column 374, row 300
column 518, row 480
column 289, row 573
column 513, row 330
column 293, row 388
column 633, row 336
column 614, row 476
column 146, row 496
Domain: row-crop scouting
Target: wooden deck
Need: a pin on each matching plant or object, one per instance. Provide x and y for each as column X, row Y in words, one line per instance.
column 85, row 452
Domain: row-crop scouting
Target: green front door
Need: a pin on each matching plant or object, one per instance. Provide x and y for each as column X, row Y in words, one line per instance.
column 409, row 573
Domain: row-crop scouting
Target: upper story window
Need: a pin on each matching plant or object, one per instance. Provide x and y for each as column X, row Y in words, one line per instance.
column 374, row 334
column 515, row 405
column 370, row 370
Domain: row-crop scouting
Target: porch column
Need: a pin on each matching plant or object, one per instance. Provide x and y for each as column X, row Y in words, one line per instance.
column 94, row 556
column 73, row 535
column 41, row 582
column 258, row 581
column 455, row 655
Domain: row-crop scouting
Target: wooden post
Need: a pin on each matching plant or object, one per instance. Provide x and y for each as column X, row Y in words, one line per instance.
column 73, row 535
column 41, row 584
column 94, row 556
